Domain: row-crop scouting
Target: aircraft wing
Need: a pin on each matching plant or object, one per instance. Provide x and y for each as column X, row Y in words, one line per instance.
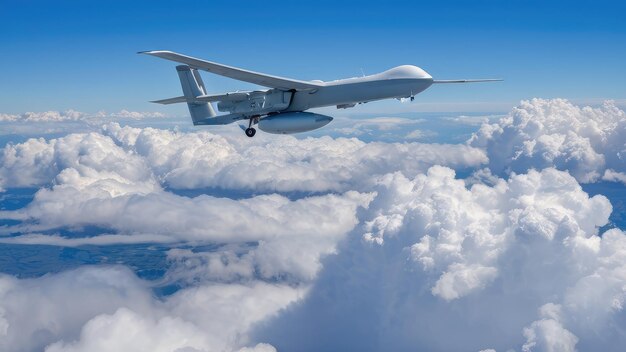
column 170, row 100
column 467, row 80
column 220, row 119
column 234, row 72
column 235, row 96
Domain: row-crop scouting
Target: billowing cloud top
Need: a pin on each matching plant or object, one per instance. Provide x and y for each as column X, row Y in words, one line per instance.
column 203, row 160
column 588, row 142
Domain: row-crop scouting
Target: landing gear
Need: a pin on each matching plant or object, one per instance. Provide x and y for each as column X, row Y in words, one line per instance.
column 412, row 97
column 250, row 132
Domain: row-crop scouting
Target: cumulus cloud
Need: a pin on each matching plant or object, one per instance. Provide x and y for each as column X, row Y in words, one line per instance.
column 434, row 259
column 462, row 232
column 127, row 330
column 108, row 308
column 205, row 160
column 548, row 334
column 46, row 116
column 555, row 133
column 612, row 175
column 73, row 115
column 113, row 179
column 98, row 183
column 38, row 162
column 202, row 159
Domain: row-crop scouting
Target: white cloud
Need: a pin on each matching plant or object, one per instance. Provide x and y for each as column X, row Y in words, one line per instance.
column 462, row 279
column 73, row 115
column 38, row 311
column 292, row 235
column 101, row 184
column 434, row 259
column 108, row 308
column 38, row 162
column 56, row 123
column 612, row 175
column 46, row 116
column 472, row 119
column 204, row 160
column 206, row 218
column 462, row 232
column 126, row 330
column 555, row 133
column 548, row 334
column 363, row 126
column 419, row 134
column 136, row 115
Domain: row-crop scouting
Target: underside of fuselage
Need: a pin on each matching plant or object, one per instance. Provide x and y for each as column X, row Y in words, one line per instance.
column 358, row 92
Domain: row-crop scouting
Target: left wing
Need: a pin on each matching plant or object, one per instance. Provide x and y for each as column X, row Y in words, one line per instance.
column 171, row 100
column 234, row 96
column 220, row 119
column 236, row 73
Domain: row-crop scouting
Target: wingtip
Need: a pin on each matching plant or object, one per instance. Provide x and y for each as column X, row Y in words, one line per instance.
column 153, row 52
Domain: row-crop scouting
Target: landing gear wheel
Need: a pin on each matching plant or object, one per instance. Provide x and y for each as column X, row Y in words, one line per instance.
column 250, row 131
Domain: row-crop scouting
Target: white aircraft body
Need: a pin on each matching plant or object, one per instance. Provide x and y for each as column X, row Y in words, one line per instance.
column 281, row 109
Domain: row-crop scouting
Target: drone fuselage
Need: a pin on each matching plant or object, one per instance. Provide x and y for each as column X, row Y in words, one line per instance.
column 282, row 107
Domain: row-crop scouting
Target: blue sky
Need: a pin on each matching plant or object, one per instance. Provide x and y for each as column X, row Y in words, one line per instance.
column 81, row 55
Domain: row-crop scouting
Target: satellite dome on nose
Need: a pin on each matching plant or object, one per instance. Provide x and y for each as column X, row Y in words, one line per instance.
column 406, row 71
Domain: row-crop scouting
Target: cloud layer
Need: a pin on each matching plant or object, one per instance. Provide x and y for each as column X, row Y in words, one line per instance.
column 108, row 308
column 325, row 243
column 205, row 160
column 73, row 115
column 202, row 159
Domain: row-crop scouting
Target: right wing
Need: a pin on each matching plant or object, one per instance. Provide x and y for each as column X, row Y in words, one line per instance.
column 468, row 80
column 235, row 73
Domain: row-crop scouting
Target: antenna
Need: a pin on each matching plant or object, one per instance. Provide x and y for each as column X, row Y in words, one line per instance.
column 362, row 72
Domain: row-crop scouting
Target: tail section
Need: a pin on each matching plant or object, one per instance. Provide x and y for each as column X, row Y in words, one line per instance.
column 193, row 87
